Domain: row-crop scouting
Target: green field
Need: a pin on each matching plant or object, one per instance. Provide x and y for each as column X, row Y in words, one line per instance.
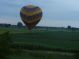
column 44, row 39
column 52, row 39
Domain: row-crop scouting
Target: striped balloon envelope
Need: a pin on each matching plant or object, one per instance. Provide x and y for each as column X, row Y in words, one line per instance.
column 31, row 15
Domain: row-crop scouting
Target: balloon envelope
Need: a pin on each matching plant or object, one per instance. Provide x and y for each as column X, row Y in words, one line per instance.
column 31, row 15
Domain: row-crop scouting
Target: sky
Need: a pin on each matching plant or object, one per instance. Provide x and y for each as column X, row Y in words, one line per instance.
column 56, row 13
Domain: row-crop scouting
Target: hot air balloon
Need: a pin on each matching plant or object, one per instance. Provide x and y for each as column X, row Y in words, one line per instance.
column 31, row 15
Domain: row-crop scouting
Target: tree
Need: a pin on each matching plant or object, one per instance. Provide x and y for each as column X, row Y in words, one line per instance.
column 69, row 27
column 19, row 24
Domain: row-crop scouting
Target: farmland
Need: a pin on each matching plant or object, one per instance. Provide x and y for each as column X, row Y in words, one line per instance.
column 44, row 44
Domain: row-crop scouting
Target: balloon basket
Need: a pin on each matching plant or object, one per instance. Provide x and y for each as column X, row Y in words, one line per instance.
column 29, row 32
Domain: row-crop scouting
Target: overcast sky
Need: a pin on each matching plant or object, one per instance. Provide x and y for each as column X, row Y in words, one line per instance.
column 58, row 13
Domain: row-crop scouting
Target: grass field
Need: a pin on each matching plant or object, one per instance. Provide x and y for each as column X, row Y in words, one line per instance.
column 43, row 55
column 49, row 39
column 52, row 39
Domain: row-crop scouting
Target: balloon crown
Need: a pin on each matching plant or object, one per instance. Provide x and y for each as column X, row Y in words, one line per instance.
column 30, row 6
